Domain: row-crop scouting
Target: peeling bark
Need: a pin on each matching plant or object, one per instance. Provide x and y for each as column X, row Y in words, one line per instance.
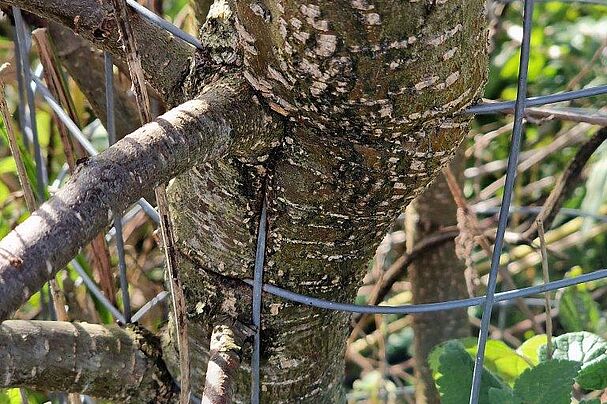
column 102, row 361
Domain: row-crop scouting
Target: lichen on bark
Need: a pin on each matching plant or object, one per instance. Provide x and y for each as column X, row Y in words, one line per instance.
column 351, row 109
column 369, row 94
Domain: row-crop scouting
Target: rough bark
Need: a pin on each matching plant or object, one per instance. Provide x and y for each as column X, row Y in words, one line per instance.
column 221, row 121
column 166, row 59
column 120, row 364
column 372, row 92
column 436, row 275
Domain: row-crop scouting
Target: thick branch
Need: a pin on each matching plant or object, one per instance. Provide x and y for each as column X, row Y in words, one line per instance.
column 101, row 361
column 198, row 131
column 165, row 59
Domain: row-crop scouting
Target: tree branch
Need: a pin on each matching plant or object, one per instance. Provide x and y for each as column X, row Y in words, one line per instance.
column 198, row 131
column 224, row 361
column 565, row 184
column 102, row 361
column 165, row 59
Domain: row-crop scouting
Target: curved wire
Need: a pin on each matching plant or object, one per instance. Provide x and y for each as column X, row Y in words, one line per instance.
column 428, row 307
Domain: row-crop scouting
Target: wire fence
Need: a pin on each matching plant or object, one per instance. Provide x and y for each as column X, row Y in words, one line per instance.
column 29, row 83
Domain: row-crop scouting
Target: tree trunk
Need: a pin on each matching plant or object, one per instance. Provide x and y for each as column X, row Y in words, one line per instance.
column 365, row 102
column 357, row 147
column 437, row 275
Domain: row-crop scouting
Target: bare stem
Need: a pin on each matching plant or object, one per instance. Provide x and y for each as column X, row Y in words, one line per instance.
column 546, row 275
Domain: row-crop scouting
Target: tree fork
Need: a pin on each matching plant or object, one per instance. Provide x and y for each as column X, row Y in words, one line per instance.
column 197, row 131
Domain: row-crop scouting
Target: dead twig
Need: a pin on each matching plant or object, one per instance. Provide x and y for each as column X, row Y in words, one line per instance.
column 566, row 184
column 546, row 276
column 28, row 193
column 143, row 103
column 472, row 227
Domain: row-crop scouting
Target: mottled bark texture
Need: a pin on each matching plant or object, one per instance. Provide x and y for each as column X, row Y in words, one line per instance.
column 369, row 94
column 120, row 364
column 437, row 275
column 222, row 120
column 371, row 91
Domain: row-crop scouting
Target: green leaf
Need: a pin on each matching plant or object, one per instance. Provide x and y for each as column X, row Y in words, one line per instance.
column 7, row 165
column 578, row 311
column 499, row 359
column 28, row 162
column 529, row 349
column 454, row 380
column 591, row 401
column 503, row 396
column 548, row 383
column 589, row 350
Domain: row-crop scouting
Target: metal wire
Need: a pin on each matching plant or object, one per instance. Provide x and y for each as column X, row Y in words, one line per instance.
column 538, row 209
column 162, row 23
column 90, row 284
column 428, row 307
column 79, row 136
column 149, row 305
column 257, row 287
column 515, row 148
column 111, row 131
column 505, row 106
column 21, row 39
column 21, row 91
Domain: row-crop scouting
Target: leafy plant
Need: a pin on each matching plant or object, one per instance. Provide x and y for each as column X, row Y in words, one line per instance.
column 525, row 375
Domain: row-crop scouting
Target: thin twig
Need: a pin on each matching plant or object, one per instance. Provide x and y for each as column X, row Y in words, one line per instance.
column 30, row 199
column 566, row 183
column 571, row 136
column 133, row 60
column 56, row 85
column 546, row 276
column 483, row 242
column 587, row 66
column 143, row 103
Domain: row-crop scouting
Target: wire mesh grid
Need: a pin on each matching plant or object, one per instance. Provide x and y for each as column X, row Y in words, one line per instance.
column 29, row 82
